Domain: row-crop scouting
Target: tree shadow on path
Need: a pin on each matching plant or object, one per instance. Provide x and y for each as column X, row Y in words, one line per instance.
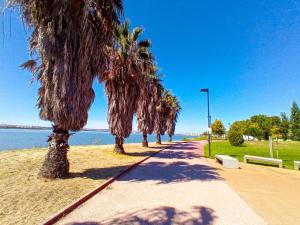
column 178, row 171
column 157, row 171
column 162, row 171
column 199, row 215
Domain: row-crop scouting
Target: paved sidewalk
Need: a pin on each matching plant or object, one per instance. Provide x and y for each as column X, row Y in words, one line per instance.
column 177, row 186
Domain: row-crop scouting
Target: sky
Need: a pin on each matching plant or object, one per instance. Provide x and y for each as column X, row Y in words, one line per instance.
column 246, row 52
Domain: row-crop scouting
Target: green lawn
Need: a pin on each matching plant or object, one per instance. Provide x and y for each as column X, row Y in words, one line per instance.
column 203, row 138
column 195, row 139
column 288, row 151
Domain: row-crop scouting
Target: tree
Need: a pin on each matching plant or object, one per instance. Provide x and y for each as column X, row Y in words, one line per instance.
column 295, row 122
column 275, row 121
column 265, row 124
column 123, row 82
column 162, row 111
column 284, row 126
column 149, row 95
column 242, row 125
column 275, row 132
column 254, row 130
column 172, row 116
column 235, row 135
column 69, row 39
column 218, row 128
column 146, row 109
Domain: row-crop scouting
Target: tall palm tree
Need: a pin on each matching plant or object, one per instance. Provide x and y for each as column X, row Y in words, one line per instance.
column 123, row 82
column 162, row 111
column 149, row 95
column 172, row 116
column 147, row 103
column 69, row 39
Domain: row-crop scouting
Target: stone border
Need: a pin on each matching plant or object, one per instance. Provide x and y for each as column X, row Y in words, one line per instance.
column 65, row 211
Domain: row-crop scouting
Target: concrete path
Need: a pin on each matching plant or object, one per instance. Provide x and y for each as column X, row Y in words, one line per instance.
column 177, row 186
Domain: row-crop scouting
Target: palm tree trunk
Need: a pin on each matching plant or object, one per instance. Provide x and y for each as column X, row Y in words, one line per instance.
column 158, row 139
column 170, row 138
column 56, row 164
column 145, row 141
column 119, row 146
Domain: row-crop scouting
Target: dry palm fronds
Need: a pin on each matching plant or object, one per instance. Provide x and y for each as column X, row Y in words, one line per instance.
column 173, row 115
column 166, row 115
column 162, row 111
column 70, row 38
column 123, row 81
column 149, row 94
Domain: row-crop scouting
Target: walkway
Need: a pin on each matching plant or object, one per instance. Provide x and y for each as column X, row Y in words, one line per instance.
column 177, row 186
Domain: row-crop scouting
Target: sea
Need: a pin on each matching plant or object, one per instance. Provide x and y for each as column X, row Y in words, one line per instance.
column 12, row 139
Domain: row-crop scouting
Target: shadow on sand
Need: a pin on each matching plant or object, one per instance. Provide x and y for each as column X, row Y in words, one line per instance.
column 160, row 216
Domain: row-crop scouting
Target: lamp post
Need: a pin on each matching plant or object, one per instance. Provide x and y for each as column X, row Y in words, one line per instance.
column 208, row 119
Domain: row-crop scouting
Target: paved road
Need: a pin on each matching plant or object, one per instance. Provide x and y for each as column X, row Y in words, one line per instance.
column 177, row 186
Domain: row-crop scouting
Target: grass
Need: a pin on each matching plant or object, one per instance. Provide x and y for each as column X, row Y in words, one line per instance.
column 202, row 138
column 195, row 139
column 27, row 199
column 288, row 151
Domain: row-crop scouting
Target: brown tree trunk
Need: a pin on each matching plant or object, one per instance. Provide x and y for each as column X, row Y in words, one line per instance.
column 158, row 139
column 119, row 146
column 145, row 141
column 56, row 164
column 170, row 138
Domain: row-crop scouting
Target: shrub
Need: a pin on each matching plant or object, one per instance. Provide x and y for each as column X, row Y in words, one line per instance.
column 235, row 136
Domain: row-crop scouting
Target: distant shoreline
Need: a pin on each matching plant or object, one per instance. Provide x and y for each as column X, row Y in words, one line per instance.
column 10, row 127
column 43, row 128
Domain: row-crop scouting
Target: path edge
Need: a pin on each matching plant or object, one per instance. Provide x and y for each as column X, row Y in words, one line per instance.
column 68, row 209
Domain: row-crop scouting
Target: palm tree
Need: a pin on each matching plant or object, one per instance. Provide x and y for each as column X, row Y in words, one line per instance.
column 123, row 82
column 162, row 111
column 172, row 116
column 69, row 39
column 149, row 95
column 146, row 110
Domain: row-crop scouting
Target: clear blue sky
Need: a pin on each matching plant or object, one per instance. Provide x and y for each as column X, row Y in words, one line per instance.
column 247, row 53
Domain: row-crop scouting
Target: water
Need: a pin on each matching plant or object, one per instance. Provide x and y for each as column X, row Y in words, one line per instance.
column 26, row 139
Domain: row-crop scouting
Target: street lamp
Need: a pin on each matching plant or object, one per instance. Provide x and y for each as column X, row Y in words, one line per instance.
column 208, row 119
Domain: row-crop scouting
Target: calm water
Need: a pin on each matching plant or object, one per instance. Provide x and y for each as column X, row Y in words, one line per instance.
column 24, row 139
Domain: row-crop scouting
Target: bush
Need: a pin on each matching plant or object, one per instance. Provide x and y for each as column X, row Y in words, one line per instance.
column 235, row 136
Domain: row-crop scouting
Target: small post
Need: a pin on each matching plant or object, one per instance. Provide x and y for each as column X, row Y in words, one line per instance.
column 271, row 146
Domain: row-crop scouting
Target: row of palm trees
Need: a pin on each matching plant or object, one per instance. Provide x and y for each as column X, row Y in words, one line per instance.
column 74, row 42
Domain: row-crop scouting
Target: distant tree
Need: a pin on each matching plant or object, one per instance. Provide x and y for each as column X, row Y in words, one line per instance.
column 275, row 121
column 162, row 112
column 275, row 132
column 174, row 111
column 235, row 135
column 284, row 126
column 218, row 127
column 242, row 125
column 264, row 123
column 205, row 133
column 254, row 130
column 295, row 122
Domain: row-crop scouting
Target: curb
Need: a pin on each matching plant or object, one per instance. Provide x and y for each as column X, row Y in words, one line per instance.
column 65, row 211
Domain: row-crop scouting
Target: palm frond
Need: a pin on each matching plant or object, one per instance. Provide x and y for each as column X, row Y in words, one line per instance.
column 136, row 33
column 70, row 39
column 145, row 43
